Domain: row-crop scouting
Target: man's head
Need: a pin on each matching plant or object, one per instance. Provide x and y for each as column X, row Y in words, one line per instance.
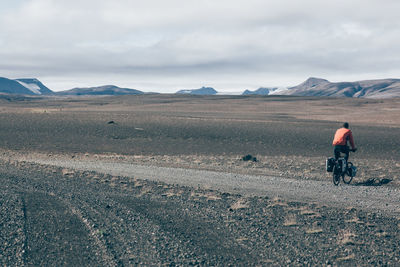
column 346, row 125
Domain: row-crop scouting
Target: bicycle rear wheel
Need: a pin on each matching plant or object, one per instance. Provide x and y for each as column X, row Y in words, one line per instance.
column 336, row 176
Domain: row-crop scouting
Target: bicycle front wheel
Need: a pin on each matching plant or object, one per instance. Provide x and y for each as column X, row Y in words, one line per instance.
column 348, row 176
column 347, row 179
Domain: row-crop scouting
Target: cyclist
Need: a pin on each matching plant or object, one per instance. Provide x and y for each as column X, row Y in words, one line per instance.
column 342, row 136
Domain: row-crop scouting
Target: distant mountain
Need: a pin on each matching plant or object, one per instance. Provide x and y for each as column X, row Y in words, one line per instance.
column 260, row 91
column 23, row 87
column 101, row 90
column 384, row 88
column 311, row 83
column 201, row 91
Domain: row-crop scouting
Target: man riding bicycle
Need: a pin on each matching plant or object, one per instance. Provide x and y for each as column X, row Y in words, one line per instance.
column 342, row 136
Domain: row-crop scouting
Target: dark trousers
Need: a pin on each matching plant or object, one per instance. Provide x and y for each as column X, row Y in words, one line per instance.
column 341, row 149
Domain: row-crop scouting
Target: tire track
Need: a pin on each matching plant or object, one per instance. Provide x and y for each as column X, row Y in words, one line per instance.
column 25, row 245
column 107, row 259
column 119, row 236
column 114, row 228
column 30, row 195
column 51, row 229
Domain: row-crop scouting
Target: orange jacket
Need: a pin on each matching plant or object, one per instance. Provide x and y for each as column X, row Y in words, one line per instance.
column 341, row 137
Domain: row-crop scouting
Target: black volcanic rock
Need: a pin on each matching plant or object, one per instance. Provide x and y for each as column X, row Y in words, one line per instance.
column 23, row 87
column 384, row 88
column 201, row 91
column 101, row 90
column 260, row 91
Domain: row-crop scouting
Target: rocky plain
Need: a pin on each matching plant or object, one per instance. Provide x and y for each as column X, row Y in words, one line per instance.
column 53, row 215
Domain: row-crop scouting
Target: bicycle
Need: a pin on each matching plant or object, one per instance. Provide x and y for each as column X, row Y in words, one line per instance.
column 341, row 169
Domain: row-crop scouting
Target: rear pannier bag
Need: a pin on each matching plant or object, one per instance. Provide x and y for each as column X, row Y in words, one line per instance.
column 330, row 163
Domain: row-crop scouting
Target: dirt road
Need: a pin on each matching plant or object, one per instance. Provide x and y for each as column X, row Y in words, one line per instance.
column 385, row 199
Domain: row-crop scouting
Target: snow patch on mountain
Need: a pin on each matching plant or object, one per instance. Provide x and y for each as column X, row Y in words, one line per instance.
column 34, row 88
column 202, row 91
column 279, row 91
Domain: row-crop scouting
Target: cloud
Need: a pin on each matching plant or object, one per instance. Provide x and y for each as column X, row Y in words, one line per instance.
column 263, row 42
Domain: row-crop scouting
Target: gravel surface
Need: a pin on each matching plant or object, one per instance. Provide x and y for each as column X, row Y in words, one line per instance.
column 385, row 199
column 58, row 216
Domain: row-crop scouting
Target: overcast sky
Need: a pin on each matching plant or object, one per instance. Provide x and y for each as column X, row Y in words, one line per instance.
column 166, row 45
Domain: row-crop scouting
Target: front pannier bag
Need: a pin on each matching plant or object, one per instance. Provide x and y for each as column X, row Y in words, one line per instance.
column 351, row 170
